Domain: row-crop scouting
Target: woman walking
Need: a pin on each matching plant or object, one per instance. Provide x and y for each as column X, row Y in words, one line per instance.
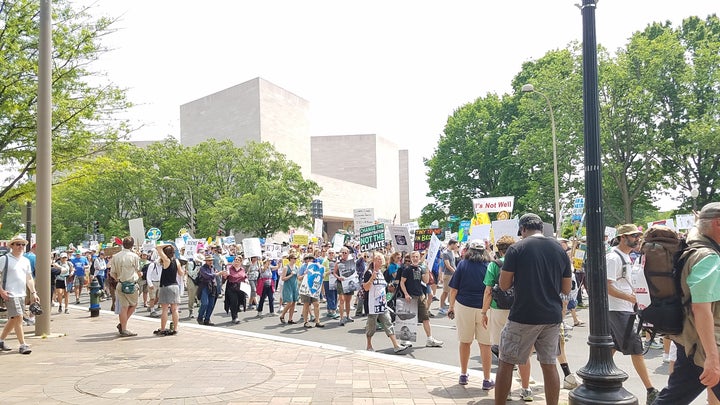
column 169, row 293
column 234, row 296
column 290, row 289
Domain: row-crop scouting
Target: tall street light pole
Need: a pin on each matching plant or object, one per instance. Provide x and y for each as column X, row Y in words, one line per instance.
column 529, row 88
column 602, row 379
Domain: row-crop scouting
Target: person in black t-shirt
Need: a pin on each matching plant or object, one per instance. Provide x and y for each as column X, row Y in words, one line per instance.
column 411, row 284
column 539, row 270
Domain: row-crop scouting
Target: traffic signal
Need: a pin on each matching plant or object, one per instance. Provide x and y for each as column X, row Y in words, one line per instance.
column 96, row 226
column 316, row 208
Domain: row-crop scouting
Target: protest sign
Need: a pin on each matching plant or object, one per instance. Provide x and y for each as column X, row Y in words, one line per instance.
column 400, row 237
column 372, row 237
column 137, row 230
column 318, row 229
column 251, row 247
column 433, row 250
column 191, row 248
column 480, row 232
column 363, row 217
column 300, row 240
column 423, row 236
column 670, row 223
column 338, row 241
column 610, row 232
column 508, row 227
column 685, row 221
column 312, row 281
column 493, row 204
column 273, row 250
column 406, row 320
column 464, row 230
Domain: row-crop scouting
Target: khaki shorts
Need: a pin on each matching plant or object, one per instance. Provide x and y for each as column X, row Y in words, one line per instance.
column 468, row 321
column 154, row 290
column 307, row 299
column 518, row 339
column 127, row 300
column 385, row 321
column 423, row 312
column 497, row 318
column 446, row 280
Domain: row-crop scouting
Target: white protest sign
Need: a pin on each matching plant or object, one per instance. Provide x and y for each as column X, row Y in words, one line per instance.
column 273, row 250
column 670, row 223
column 480, row 232
column 508, row 227
column 610, row 232
column 363, row 217
column 318, row 229
column 137, row 230
column 190, row 248
column 432, row 250
column 406, row 319
column 251, row 247
column 685, row 221
column 412, row 226
column 400, row 237
column 338, row 242
column 493, row 204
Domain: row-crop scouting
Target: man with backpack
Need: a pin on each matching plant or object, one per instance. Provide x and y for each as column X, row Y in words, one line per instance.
column 698, row 363
column 622, row 301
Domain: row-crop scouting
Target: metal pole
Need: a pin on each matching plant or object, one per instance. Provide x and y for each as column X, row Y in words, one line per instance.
column 555, row 166
column 602, row 380
column 44, row 168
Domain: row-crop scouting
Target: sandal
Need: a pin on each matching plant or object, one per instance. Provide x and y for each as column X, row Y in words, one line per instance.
column 159, row 332
column 291, row 322
column 307, row 325
column 579, row 323
column 282, row 320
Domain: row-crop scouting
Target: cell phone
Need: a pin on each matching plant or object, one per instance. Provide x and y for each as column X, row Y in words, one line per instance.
column 451, row 314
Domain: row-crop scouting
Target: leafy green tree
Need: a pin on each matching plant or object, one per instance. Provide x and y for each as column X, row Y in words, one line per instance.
column 83, row 120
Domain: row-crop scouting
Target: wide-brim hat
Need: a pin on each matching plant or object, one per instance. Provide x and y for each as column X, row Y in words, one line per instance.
column 18, row 239
column 628, row 229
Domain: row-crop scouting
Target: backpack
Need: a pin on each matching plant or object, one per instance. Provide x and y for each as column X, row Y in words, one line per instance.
column 503, row 299
column 665, row 255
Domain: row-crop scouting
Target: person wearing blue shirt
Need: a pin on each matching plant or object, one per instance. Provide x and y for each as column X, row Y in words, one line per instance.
column 81, row 266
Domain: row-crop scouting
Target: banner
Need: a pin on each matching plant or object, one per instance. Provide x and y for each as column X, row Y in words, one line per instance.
column 578, row 208
column 273, row 250
column 493, row 204
column 372, row 237
column 363, row 217
column 406, row 320
column 400, row 237
column 423, row 236
column 251, row 247
column 312, row 281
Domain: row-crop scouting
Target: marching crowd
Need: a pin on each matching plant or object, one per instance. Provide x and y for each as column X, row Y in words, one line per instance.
column 510, row 297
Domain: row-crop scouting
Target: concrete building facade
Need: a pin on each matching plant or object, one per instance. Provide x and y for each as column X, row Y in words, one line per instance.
column 354, row 171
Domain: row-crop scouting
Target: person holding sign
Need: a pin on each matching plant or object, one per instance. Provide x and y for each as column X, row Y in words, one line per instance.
column 411, row 284
column 376, row 291
column 345, row 273
column 308, row 294
column 234, row 296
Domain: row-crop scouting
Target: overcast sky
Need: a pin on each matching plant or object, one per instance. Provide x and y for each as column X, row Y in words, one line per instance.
column 397, row 69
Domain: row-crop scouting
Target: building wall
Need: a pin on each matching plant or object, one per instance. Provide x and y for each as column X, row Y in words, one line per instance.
column 350, row 158
column 404, row 186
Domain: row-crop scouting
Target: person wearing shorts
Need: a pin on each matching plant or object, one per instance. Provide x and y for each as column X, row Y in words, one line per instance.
column 539, row 270
column 16, row 280
column 125, row 267
column 411, row 284
column 169, row 292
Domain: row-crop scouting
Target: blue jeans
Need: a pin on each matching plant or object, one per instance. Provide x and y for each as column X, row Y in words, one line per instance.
column 207, row 304
column 684, row 383
column 331, row 296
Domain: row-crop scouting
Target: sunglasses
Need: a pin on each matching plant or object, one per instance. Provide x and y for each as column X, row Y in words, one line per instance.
column 18, row 244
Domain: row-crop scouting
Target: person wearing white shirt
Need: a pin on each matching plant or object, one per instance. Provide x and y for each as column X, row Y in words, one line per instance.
column 16, row 277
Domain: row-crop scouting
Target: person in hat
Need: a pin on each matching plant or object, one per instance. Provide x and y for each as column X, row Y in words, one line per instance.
column 622, row 300
column 208, row 290
column 308, row 299
column 192, row 268
column 539, row 270
column 16, row 278
column 697, row 367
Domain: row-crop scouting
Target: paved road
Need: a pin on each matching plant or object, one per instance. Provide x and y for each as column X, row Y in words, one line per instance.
column 351, row 336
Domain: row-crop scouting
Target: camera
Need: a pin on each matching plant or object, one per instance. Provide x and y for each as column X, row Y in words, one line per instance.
column 36, row 309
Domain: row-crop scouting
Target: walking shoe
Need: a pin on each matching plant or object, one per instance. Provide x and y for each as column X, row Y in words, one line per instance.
column 154, row 314
column 319, row 325
column 432, row 342
column 67, row 310
column 570, row 382
column 4, row 347
column 236, row 321
column 77, row 302
column 25, row 349
column 348, row 319
column 651, row 395
column 431, row 315
column 127, row 333
column 463, row 380
column 526, row 394
column 566, row 326
column 655, row 345
column 666, row 358
column 406, row 343
column 488, row 385
column 442, row 311
column 335, row 316
column 400, row 349
column 60, row 310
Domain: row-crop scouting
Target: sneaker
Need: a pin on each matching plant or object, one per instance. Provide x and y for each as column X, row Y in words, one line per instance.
column 570, row 382
column 30, row 322
column 154, row 314
column 526, row 395
column 432, row 342
column 442, row 311
column 149, row 309
column 25, row 349
column 127, row 333
column 435, row 299
column 651, row 396
column 335, row 316
column 4, row 347
column 488, row 385
column 431, row 315
column 342, row 322
column 405, row 343
column 566, row 326
column 666, row 358
column 77, row 302
column 348, row 319
column 655, row 345
column 400, row 349
column 463, row 380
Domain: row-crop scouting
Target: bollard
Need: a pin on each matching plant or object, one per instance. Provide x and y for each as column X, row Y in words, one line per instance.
column 95, row 293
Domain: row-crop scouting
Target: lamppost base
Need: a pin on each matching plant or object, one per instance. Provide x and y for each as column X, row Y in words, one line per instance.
column 582, row 395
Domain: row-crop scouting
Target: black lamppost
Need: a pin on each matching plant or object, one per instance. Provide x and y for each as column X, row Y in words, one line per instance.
column 602, row 380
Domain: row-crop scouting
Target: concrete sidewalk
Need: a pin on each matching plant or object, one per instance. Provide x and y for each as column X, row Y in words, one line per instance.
column 90, row 363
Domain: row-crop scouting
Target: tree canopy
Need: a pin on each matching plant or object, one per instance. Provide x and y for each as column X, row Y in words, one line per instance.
column 659, row 122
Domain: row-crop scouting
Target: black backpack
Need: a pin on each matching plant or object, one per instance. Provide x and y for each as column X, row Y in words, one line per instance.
column 503, row 299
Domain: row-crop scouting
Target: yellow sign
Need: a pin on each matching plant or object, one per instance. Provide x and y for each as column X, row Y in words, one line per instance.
column 300, row 239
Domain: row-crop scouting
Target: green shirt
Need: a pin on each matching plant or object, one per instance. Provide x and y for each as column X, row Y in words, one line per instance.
column 704, row 279
column 492, row 276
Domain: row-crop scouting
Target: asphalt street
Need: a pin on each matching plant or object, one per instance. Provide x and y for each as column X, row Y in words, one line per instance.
column 352, row 337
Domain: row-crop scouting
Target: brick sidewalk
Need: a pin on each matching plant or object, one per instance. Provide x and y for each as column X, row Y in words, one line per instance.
column 90, row 363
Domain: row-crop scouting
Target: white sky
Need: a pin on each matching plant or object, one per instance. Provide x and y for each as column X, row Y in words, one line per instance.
column 397, row 69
